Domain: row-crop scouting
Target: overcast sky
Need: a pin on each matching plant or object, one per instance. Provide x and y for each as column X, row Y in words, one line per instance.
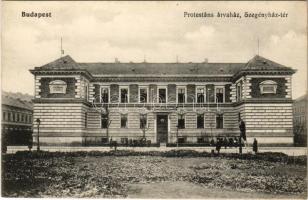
column 102, row 31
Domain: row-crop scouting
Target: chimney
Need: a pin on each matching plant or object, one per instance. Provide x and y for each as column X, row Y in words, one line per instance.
column 206, row 60
column 116, row 60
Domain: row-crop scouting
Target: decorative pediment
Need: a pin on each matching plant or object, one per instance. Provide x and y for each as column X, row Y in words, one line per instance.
column 57, row 87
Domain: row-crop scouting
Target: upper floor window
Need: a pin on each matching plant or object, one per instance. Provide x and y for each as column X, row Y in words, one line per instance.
column 238, row 91
column 200, row 120
column 200, row 95
column 181, row 121
column 4, row 116
column 162, row 95
column 268, row 87
column 105, row 95
column 219, row 94
column 9, row 116
column 124, row 95
column 143, row 95
column 181, row 94
column 57, row 87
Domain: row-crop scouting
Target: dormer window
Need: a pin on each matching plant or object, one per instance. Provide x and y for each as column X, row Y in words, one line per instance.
column 57, row 87
column 268, row 87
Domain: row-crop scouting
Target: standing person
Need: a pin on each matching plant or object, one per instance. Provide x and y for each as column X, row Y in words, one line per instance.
column 218, row 145
column 242, row 127
column 255, row 145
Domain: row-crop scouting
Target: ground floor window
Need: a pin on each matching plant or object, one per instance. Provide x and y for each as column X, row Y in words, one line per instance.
column 123, row 120
column 200, row 120
column 219, row 121
column 105, row 120
column 181, row 121
column 143, row 121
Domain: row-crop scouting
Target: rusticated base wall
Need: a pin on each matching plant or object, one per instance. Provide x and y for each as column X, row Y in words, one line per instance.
column 79, row 124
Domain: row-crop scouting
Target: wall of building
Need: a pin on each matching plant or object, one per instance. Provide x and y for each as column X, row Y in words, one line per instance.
column 272, row 122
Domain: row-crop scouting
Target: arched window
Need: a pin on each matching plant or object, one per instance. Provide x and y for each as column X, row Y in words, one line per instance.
column 58, row 87
column 268, row 87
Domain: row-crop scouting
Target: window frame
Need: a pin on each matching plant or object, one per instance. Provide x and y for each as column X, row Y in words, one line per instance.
column 177, row 94
column 100, row 93
column 223, row 121
column 203, row 125
column 204, row 94
column 126, row 125
column 102, row 121
column 146, row 120
column 157, row 95
column 268, row 83
column 223, row 93
column 120, row 97
column 184, row 124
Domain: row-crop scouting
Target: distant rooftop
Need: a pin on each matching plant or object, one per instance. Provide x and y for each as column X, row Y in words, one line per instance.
column 18, row 100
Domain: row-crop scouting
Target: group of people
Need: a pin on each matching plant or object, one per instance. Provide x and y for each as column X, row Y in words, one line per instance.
column 235, row 142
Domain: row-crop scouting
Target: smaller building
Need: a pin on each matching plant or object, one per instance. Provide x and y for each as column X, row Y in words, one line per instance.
column 300, row 121
column 16, row 121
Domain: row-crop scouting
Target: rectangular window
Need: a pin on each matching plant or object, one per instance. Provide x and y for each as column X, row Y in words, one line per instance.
column 4, row 116
column 181, row 121
column 143, row 121
column 143, row 95
column 124, row 95
column 123, row 120
column 9, row 116
column 219, row 95
column 22, row 117
column 30, row 119
column 181, row 95
column 17, row 117
column 162, row 95
column 200, row 95
column 239, row 91
column 219, row 121
column 86, row 89
column 86, row 120
column 200, row 120
column 26, row 118
column 105, row 95
column 104, row 120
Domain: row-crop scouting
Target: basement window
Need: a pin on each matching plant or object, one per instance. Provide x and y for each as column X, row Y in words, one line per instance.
column 268, row 87
column 57, row 87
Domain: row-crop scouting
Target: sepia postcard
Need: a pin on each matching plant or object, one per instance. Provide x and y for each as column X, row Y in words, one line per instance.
column 154, row 99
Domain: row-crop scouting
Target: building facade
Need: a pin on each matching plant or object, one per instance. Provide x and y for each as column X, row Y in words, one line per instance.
column 16, row 121
column 300, row 120
column 91, row 103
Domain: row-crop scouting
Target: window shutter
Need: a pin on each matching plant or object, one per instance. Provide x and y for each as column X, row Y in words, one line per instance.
column 227, row 93
column 210, row 91
column 171, row 93
column 114, row 93
column 96, row 93
column 191, row 92
column 133, row 93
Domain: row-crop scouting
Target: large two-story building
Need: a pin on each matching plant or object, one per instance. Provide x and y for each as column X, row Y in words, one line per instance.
column 86, row 103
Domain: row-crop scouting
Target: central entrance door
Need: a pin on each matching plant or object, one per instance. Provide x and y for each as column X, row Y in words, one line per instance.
column 162, row 128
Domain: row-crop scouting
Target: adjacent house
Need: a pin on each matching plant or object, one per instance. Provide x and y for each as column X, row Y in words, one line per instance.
column 92, row 103
column 17, row 119
column 300, row 120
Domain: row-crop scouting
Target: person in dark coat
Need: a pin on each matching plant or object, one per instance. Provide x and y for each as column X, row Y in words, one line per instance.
column 242, row 127
column 218, row 145
column 255, row 145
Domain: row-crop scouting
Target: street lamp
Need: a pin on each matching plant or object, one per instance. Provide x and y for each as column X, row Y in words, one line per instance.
column 38, row 121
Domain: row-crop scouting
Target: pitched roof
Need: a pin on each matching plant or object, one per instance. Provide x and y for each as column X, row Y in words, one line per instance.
column 10, row 100
column 257, row 63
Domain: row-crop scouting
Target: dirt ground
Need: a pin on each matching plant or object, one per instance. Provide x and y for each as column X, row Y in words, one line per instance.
column 151, row 177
